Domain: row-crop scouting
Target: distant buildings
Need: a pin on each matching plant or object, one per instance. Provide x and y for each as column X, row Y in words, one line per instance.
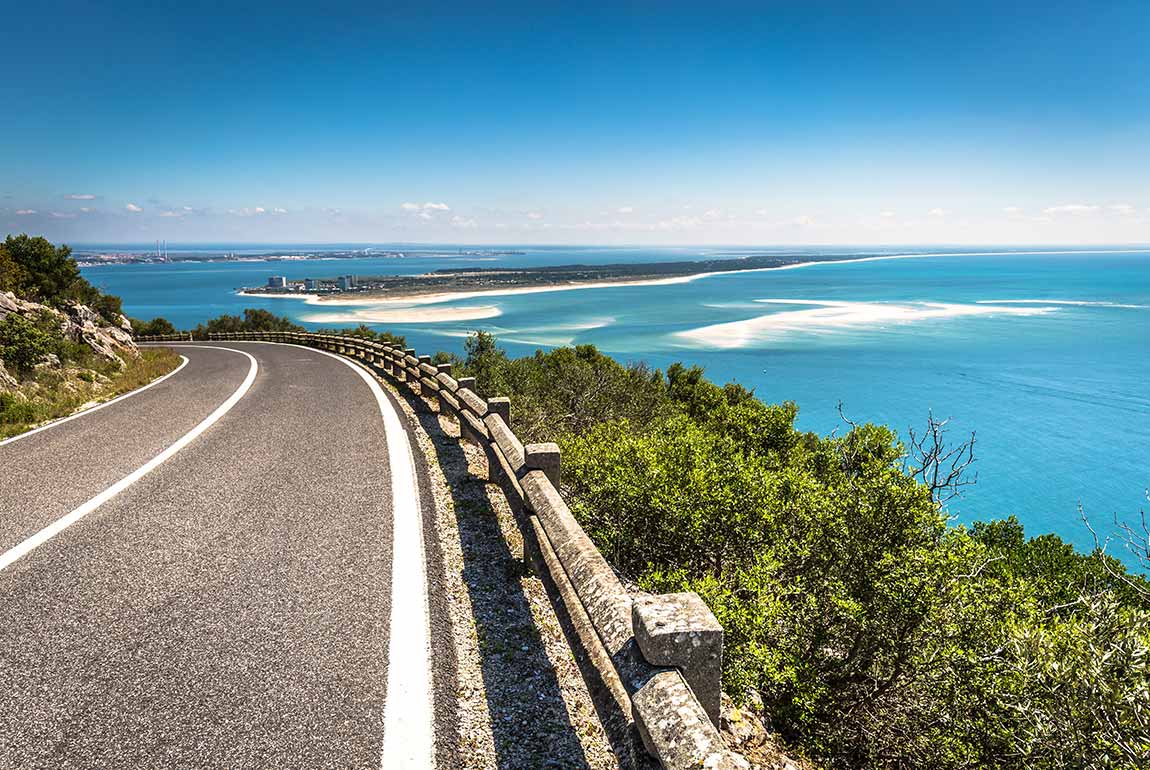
column 346, row 282
column 310, row 284
column 277, row 282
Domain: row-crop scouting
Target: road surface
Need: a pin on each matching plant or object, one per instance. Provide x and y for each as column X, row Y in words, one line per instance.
column 201, row 575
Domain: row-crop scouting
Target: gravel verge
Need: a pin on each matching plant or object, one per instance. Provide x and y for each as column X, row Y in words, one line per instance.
column 522, row 701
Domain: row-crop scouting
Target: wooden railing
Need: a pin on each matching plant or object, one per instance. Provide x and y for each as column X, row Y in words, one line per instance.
column 659, row 656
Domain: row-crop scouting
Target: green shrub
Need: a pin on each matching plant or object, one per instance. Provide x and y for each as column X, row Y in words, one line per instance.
column 24, row 343
column 17, row 411
column 151, row 328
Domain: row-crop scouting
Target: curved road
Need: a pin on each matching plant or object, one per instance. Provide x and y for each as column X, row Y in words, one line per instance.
column 201, row 575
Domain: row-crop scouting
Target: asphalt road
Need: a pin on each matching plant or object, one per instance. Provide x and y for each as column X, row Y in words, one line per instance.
column 232, row 607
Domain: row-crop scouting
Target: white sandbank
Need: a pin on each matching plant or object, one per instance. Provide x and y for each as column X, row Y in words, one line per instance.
column 413, row 315
column 832, row 315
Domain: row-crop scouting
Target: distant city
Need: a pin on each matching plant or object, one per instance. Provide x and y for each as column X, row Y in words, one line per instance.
column 159, row 254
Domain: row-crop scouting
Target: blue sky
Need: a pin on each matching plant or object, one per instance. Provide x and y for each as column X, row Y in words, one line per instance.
column 660, row 122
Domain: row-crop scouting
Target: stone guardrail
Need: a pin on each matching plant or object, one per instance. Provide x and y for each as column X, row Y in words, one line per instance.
column 659, row 656
column 178, row 337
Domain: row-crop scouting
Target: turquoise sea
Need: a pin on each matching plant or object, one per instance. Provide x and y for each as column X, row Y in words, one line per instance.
column 1045, row 355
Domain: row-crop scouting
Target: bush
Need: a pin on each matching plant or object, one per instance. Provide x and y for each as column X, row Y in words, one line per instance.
column 152, row 328
column 24, row 343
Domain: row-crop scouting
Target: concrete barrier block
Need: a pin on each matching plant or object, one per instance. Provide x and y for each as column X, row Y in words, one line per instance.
column 500, row 405
column 680, row 630
column 473, row 402
column 507, row 442
column 676, row 731
column 446, row 380
column 607, row 602
column 543, row 457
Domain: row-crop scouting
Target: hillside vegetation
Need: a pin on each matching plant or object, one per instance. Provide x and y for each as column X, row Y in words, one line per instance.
column 63, row 343
column 875, row 633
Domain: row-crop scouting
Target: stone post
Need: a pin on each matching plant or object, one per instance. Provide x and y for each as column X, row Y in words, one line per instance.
column 500, row 405
column 680, row 630
column 543, row 457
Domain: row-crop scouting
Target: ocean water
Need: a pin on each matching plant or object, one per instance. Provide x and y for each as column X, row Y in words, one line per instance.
column 1046, row 356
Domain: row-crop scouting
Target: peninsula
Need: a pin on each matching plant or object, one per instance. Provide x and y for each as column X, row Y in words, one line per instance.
column 479, row 280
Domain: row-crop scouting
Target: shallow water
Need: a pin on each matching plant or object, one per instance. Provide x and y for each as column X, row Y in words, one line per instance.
column 1046, row 356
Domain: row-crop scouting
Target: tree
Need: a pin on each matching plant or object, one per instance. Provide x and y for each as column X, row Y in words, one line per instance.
column 50, row 273
column 13, row 276
column 253, row 320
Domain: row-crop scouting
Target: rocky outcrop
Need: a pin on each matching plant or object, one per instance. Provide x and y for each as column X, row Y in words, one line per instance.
column 78, row 323
column 7, row 381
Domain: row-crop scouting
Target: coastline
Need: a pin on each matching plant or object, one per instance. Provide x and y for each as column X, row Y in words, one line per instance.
column 409, row 298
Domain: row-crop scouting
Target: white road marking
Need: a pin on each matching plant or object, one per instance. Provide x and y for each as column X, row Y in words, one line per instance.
column 97, row 407
column 61, row 524
column 408, row 728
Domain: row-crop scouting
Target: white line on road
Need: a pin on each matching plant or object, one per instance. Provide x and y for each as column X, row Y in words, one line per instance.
column 98, row 407
column 408, row 730
column 58, row 526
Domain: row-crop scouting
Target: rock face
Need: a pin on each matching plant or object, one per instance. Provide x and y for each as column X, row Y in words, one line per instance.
column 7, row 381
column 78, row 323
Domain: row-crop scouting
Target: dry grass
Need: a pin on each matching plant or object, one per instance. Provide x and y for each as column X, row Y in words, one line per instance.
column 56, row 393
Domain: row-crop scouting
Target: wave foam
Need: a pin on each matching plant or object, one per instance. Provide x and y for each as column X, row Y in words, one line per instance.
column 829, row 316
column 1068, row 302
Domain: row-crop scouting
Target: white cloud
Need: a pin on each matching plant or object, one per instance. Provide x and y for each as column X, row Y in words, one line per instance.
column 458, row 221
column 86, row 209
column 625, row 210
column 278, row 210
column 62, row 215
column 80, row 197
column 132, row 207
column 171, row 214
column 429, row 206
column 887, row 214
column 1012, row 210
column 1070, row 208
column 678, row 223
column 25, row 212
column 187, row 208
column 712, row 214
column 246, row 211
column 534, row 215
column 937, row 212
column 804, row 221
column 761, row 212
column 1121, row 208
